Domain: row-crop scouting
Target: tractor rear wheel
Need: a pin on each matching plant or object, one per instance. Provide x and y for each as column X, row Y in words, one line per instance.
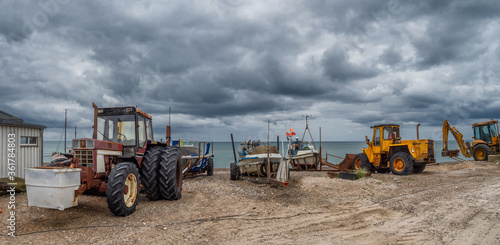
column 419, row 169
column 149, row 172
column 401, row 163
column 123, row 189
column 171, row 174
column 210, row 167
column 481, row 152
column 361, row 161
column 234, row 171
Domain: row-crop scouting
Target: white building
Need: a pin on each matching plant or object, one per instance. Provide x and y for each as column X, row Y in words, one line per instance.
column 27, row 140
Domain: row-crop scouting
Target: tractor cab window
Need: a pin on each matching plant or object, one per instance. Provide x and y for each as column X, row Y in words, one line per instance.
column 493, row 130
column 118, row 128
column 376, row 137
column 482, row 133
column 395, row 132
column 388, row 133
column 149, row 129
column 141, row 123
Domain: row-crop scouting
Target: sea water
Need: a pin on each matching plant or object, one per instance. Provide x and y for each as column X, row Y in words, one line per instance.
column 223, row 151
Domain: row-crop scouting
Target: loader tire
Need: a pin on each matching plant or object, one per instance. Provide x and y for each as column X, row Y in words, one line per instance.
column 123, row 186
column 481, row 152
column 401, row 163
column 361, row 161
column 419, row 169
column 234, row 171
column 150, row 172
column 170, row 181
column 210, row 167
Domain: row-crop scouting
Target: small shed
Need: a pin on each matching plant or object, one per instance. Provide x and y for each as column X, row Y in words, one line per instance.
column 20, row 143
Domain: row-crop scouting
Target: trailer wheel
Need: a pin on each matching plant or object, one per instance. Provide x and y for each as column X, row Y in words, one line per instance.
column 170, row 174
column 419, row 169
column 210, row 167
column 234, row 171
column 401, row 163
column 149, row 172
column 361, row 161
column 481, row 152
column 123, row 189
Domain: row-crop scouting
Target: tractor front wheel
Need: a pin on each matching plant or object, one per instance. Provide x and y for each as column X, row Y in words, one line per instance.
column 401, row 163
column 123, row 189
column 171, row 174
column 361, row 161
column 481, row 152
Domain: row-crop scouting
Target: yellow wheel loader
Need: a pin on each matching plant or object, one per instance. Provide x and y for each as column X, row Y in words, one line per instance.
column 387, row 152
column 485, row 141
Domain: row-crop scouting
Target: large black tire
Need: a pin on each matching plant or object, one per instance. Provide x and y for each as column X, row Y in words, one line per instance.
column 361, row 161
column 234, row 171
column 419, row 169
column 401, row 163
column 481, row 152
column 210, row 167
column 123, row 189
column 171, row 174
column 150, row 172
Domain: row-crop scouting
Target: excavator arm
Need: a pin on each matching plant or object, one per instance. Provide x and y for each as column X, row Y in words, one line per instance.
column 464, row 146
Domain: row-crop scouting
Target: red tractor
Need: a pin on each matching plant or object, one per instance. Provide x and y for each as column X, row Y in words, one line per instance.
column 120, row 154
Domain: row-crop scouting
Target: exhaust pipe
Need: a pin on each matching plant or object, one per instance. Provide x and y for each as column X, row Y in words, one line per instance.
column 418, row 137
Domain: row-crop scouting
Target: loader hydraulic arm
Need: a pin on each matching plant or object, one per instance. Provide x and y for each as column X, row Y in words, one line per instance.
column 464, row 147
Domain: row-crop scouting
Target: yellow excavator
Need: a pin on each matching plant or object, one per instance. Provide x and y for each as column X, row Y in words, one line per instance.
column 486, row 140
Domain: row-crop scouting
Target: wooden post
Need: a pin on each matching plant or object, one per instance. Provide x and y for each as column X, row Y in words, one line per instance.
column 268, row 157
column 94, row 135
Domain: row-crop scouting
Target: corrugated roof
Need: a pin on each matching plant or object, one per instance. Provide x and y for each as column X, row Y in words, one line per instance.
column 10, row 120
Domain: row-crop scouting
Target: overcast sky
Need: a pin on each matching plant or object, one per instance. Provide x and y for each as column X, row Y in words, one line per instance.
column 229, row 66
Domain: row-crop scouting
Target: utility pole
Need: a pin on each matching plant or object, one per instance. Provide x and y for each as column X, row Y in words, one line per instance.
column 65, row 124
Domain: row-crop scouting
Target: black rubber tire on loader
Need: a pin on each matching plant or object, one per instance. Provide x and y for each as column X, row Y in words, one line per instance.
column 123, row 186
column 234, row 171
column 481, row 152
column 401, row 163
column 170, row 181
column 210, row 167
column 150, row 172
column 361, row 161
column 419, row 169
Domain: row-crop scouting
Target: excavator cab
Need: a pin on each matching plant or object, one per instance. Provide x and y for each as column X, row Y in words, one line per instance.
column 487, row 132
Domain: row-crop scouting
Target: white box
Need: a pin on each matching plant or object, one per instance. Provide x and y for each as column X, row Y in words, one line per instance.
column 52, row 187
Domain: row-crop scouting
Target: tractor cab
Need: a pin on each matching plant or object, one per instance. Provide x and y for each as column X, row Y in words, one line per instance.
column 125, row 125
column 384, row 135
column 486, row 131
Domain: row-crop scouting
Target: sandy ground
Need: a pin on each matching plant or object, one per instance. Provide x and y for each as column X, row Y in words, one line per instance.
column 455, row 203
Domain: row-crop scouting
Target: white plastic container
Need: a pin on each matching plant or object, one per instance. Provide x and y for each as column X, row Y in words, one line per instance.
column 52, row 187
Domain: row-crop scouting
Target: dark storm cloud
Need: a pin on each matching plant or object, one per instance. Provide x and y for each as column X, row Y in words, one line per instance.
column 386, row 61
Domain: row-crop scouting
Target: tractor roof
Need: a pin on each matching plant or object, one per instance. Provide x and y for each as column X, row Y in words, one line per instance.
column 382, row 125
column 484, row 123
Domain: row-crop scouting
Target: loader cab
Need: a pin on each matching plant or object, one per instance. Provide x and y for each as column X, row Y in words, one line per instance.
column 486, row 131
column 385, row 135
column 126, row 125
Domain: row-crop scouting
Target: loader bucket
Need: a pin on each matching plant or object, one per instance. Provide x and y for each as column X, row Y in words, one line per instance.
column 347, row 162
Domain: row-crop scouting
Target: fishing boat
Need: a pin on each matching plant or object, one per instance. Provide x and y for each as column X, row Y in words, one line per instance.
column 302, row 155
column 253, row 158
column 197, row 157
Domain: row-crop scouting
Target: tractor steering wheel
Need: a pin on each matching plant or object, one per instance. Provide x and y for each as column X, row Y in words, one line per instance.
column 124, row 137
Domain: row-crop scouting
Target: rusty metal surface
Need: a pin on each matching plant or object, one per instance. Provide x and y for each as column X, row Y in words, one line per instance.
column 347, row 162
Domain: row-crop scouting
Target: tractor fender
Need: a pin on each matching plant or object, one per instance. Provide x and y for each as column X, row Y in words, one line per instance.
column 477, row 142
column 399, row 148
column 128, row 159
